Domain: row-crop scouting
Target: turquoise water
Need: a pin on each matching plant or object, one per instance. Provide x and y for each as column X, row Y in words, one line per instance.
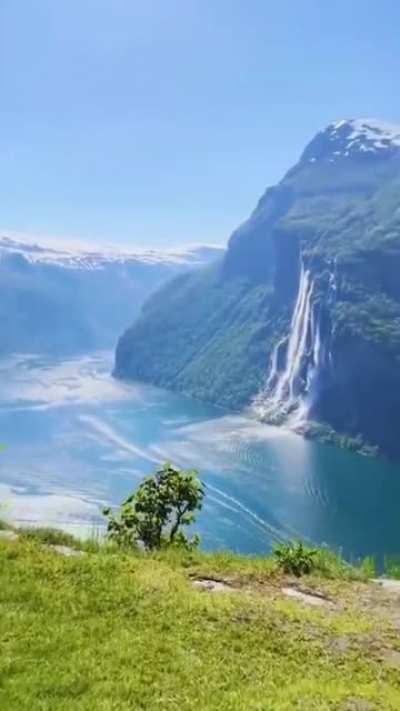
column 76, row 439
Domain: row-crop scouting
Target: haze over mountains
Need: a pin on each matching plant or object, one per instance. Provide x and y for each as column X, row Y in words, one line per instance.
column 59, row 300
column 301, row 319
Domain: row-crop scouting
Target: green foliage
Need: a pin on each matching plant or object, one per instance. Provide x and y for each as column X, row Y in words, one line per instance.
column 368, row 567
column 206, row 337
column 392, row 567
column 326, row 434
column 331, row 564
column 372, row 316
column 155, row 513
column 295, row 558
column 298, row 559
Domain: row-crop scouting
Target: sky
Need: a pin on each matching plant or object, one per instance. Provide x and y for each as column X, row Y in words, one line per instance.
column 160, row 123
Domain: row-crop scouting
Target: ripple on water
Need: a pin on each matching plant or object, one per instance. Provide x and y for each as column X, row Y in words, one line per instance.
column 69, row 427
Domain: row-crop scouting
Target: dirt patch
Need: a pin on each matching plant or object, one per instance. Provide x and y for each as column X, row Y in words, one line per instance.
column 392, row 658
column 389, row 585
column 340, row 646
column 358, row 705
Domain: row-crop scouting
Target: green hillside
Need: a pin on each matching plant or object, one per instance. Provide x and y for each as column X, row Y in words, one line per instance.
column 212, row 335
column 112, row 630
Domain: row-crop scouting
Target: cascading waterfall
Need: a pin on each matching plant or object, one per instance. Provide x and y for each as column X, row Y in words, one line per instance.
column 286, row 396
column 332, row 296
column 286, row 386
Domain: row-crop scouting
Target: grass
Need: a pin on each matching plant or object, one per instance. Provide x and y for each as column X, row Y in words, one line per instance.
column 55, row 537
column 392, row 567
column 116, row 630
column 50, row 536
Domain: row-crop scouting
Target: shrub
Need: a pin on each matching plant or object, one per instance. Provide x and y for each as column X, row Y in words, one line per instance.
column 155, row 513
column 295, row 558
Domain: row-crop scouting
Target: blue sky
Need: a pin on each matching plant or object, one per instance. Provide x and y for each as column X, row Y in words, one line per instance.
column 156, row 123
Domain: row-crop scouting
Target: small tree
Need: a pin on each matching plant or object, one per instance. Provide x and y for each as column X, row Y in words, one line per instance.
column 155, row 513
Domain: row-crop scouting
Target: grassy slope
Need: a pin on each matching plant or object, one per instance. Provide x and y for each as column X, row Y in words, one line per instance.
column 117, row 631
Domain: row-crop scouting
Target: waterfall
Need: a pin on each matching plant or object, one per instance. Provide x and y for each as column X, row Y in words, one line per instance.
column 288, row 380
column 274, row 370
column 287, row 392
column 332, row 297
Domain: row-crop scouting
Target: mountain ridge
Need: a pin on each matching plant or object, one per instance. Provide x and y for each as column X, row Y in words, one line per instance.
column 80, row 258
column 226, row 328
column 349, row 136
column 67, row 300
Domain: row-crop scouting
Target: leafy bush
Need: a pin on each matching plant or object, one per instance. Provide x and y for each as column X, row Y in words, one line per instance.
column 155, row 513
column 295, row 558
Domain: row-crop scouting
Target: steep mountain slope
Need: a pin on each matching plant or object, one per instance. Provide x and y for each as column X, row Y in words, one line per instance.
column 301, row 319
column 65, row 301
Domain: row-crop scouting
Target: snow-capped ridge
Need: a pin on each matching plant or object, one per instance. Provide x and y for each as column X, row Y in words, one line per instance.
column 79, row 258
column 381, row 134
column 351, row 137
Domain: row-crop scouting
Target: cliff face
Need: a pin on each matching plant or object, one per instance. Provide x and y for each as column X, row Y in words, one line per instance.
column 301, row 319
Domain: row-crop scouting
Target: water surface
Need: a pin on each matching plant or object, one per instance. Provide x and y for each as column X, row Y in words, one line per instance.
column 76, row 439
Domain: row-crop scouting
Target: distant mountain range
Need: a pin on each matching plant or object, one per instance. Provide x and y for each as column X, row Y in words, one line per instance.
column 300, row 320
column 71, row 258
column 69, row 300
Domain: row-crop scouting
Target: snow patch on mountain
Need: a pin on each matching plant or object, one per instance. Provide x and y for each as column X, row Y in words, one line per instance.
column 87, row 259
column 377, row 134
column 352, row 137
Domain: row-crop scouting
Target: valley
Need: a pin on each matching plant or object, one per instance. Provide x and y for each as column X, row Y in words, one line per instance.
column 66, row 300
column 231, row 355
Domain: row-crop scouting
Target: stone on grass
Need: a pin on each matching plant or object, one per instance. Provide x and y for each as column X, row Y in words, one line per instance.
column 65, row 550
column 209, row 585
column 307, row 597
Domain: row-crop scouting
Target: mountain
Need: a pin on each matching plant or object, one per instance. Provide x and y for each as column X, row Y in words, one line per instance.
column 63, row 300
column 300, row 321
